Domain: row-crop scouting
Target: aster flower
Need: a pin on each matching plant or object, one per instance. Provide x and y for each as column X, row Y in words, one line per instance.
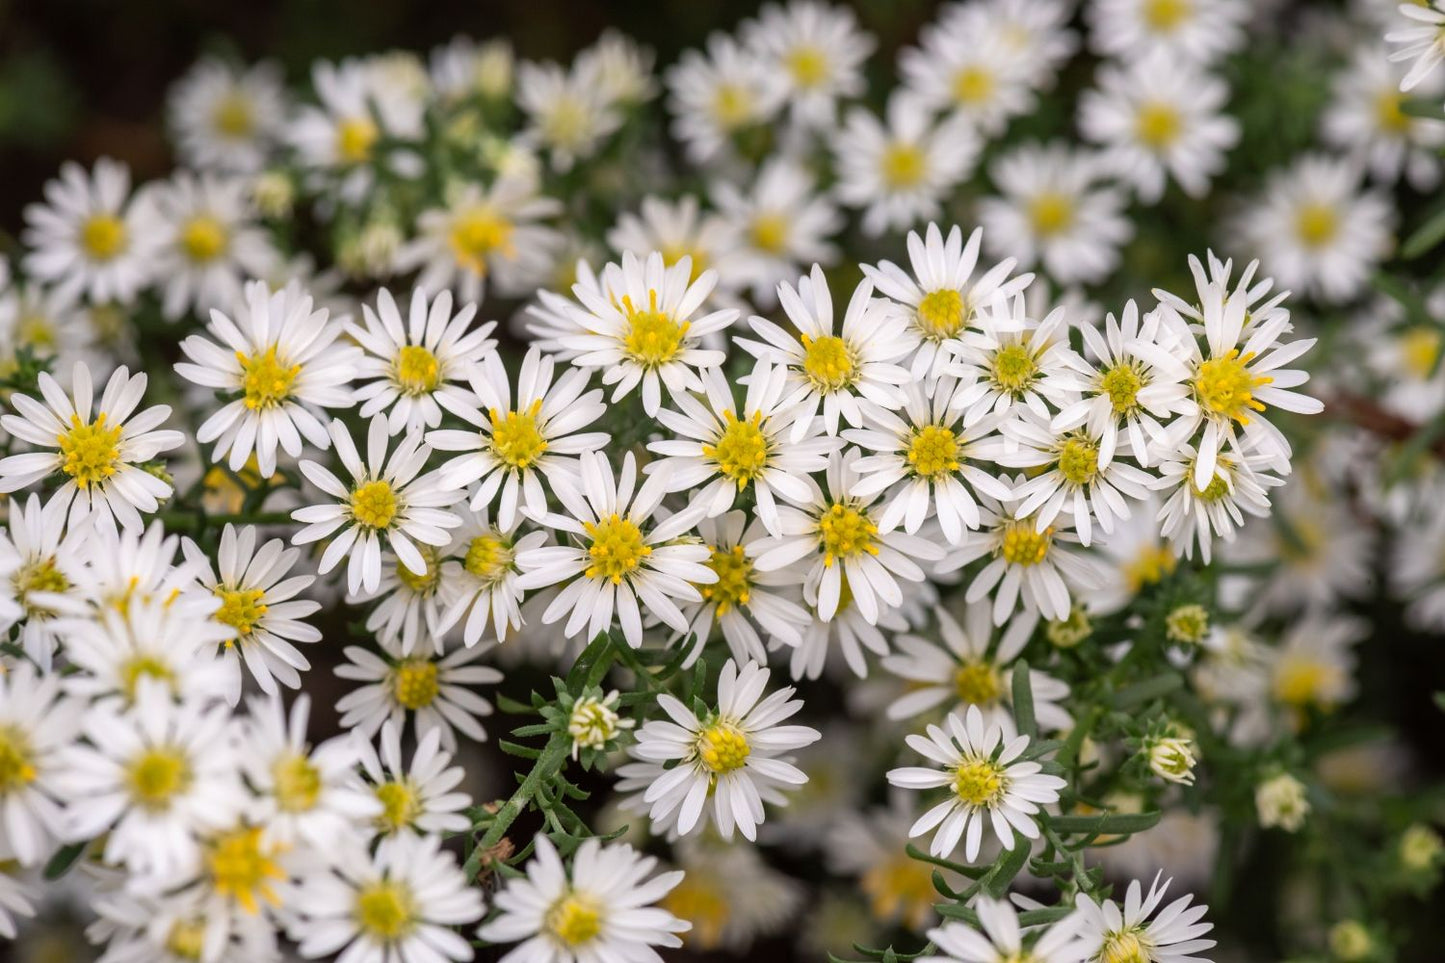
column 39, row 558
column 1187, row 31
column 1007, row 364
column 716, row 93
column 479, row 578
column 37, row 724
column 1002, row 939
column 416, row 798
column 1109, row 931
column 818, row 49
column 675, row 229
column 227, row 118
column 1365, row 119
column 1193, row 513
column 1421, row 41
column 567, row 112
column 427, row 685
column 955, row 71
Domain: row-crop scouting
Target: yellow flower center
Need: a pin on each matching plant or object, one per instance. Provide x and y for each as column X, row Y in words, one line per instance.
column 845, row 532
column 1217, row 488
column 488, row 557
column 1079, row 460
column 734, row 578
column 156, row 776
column 298, row 784
column 1023, row 544
column 672, row 253
column 40, row 575
column 828, row 362
column 103, row 237
column 354, row 139
column 233, row 116
column 652, row 337
column 574, row 920
column 566, row 123
column 187, row 939
column 1420, row 349
column 17, row 760
column 1157, row 125
column 1125, row 946
column 1151, row 565
column 516, row 439
column 265, row 380
column 373, row 504
column 979, row 782
column 1051, row 213
column 427, row 582
column 1014, row 369
column 973, row 85
column 478, row 234
column 900, row 888
column 1122, row 383
column 204, row 238
column 241, row 609
column 699, row 900
column 941, row 314
column 414, row 683
column 1224, row 386
column 904, row 166
column 1316, row 224
column 1391, row 118
column 977, row 683
column 36, row 331
column 416, row 371
column 399, row 806
column 769, row 233
column 1300, row 682
column 732, row 106
column 722, row 747
column 933, row 451
column 808, row 65
column 1162, row 16
column 143, row 667
column 742, row 449
column 385, row 910
column 617, row 548
column 241, row 868
column 90, row 452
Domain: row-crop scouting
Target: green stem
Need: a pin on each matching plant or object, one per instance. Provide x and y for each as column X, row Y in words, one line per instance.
column 553, row 757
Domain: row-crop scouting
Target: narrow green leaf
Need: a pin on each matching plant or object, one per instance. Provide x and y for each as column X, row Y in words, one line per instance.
column 1425, row 237
column 1148, row 690
column 1023, row 694
column 998, row 879
column 1422, row 107
column 1110, row 823
column 64, row 860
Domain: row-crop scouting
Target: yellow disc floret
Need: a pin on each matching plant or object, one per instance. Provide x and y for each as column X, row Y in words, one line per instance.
column 652, row 337
column 977, row 683
column 266, row 380
column 741, row 451
column 373, row 504
column 414, row 683
column 399, row 805
column 1125, row 946
column 933, row 451
column 1014, row 369
column 156, row 776
column 1121, row 383
column 241, row 867
column 808, row 65
column 478, row 234
column 1158, row 125
column 298, row 784
column 203, row 239
column 845, row 532
column 385, row 910
column 1162, row 16
column 973, row 85
column 941, row 314
column 1023, row 544
column 722, row 747
column 574, row 920
column 1224, row 387
column 829, row 362
column 734, row 578
column 1316, row 225
column 1079, row 460
column 1051, row 213
column 617, row 548
column 417, row 370
column 427, row 581
column 979, row 782
column 17, row 760
column 516, row 438
column 241, row 608
column 103, row 237
column 769, row 232
column 90, row 452
column 904, row 166
column 489, row 557
column 354, row 139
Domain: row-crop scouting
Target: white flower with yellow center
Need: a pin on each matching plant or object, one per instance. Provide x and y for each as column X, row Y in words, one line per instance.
column 1313, row 670
column 402, row 903
column 1422, row 40
column 986, row 783
column 37, row 725
column 676, row 230
column 717, row 94
column 415, row 798
column 1000, row 939
column 776, row 226
column 36, row 319
column 428, row 686
column 412, row 368
column 819, row 52
column 723, row 450
column 1114, row 934
column 174, row 928
column 385, row 498
column 94, row 454
column 847, row 373
column 926, row 462
column 479, row 578
column 1036, row 32
column 280, row 364
column 1317, row 231
column 1159, row 118
column 1236, row 486
column 898, row 169
column 871, row 846
column 1188, row 31
column 839, row 538
column 304, row 796
column 730, row 756
column 602, row 910
column 154, row 778
column 1009, row 362
column 648, row 332
column 519, row 442
column 618, row 68
column 462, row 68
column 973, row 666
column 618, row 555
column 39, row 558
column 207, row 241
column 1139, row 557
column 410, row 610
column 567, row 113
column 955, row 71
column 227, row 118
column 259, row 602
column 123, row 567
column 86, row 241
column 1365, row 118
column 1054, row 213
column 731, row 895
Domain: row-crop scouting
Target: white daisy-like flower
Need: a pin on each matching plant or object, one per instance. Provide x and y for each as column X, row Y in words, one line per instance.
column 39, row 558
column 516, row 445
column 174, row 928
column 1002, row 939
column 1236, row 486
column 567, row 112
column 618, row 556
column 1009, row 362
column 1421, row 41
column 1054, row 213
column 410, row 610
column 154, row 778
column 955, row 70
column 897, row 169
column 14, row 901
column 225, row 117
column 602, row 910
column 973, row 667
column 645, row 332
column 281, row 363
column 129, row 565
column 1316, row 231
column 401, row 903
column 417, row 797
column 1139, row 557
column 482, row 234
column 1111, row 932
column 818, row 49
column 86, row 240
column 1366, row 120
column 1314, row 666
column 463, row 68
column 941, row 296
column 986, row 785
column 1188, row 31
column 618, row 68
column 479, row 578
column 384, row 499
column 728, row 756
column 1158, row 118
column 412, row 367
column 37, row 725
column 95, row 452
column 722, row 449
column 206, row 241
column 928, row 461
column 37, row 319
column 847, row 373
column 839, row 537
column 717, row 93
column 427, row 685
column 1036, row 30
column 676, row 230
column 259, row 602
column 871, row 845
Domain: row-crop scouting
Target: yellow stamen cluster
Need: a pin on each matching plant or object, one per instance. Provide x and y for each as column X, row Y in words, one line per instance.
column 808, row 65
column 973, row 85
column 298, row 784
column 478, row 234
column 373, row 504
column 1224, row 386
column 1079, row 460
column 425, row 583
column 1158, row 125
column 90, row 452
column 516, row 438
column 845, row 532
column 734, row 579
column 203, row 239
column 652, row 337
column 722, row 747
column 941, row 314
column 233, row 116
column 900, row 888
column 979, row 782
column 977, row 683
column 617, row 548
column 241, row 867
column 385, row 910
column 414, row 683
column 933, row 451
column 904, row 166
column 103, row 237
column 489, row 557
column 40, row 575
column 1151, row 565
column 156, row 776
column 672, row 253
column 829, row 362
column 1316, row 224
column 1125, row 946
column 417, row 371
column 143, row 667
column 187, row 939
column 266, row 381
column 241, row 609
column 399, row 805
column 17, row 760
column 1013, row 369
column 1163, row 16
column 355, row 138
column 1023, row 544
column 574, row 920
column 1121, row 383
column 1051, row 213
column 703, row 902
column 732, row 106
column 769, row 233
column 741, row 451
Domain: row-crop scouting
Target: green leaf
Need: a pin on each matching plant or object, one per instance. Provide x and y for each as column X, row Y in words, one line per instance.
column 64, row 860
column 1425, row 237
column 1042, row 917
column 998, row 879
column 1148, row 690
column 1023, row 695
column 1421, row 107
column 972, row 872
column 1104, row 823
